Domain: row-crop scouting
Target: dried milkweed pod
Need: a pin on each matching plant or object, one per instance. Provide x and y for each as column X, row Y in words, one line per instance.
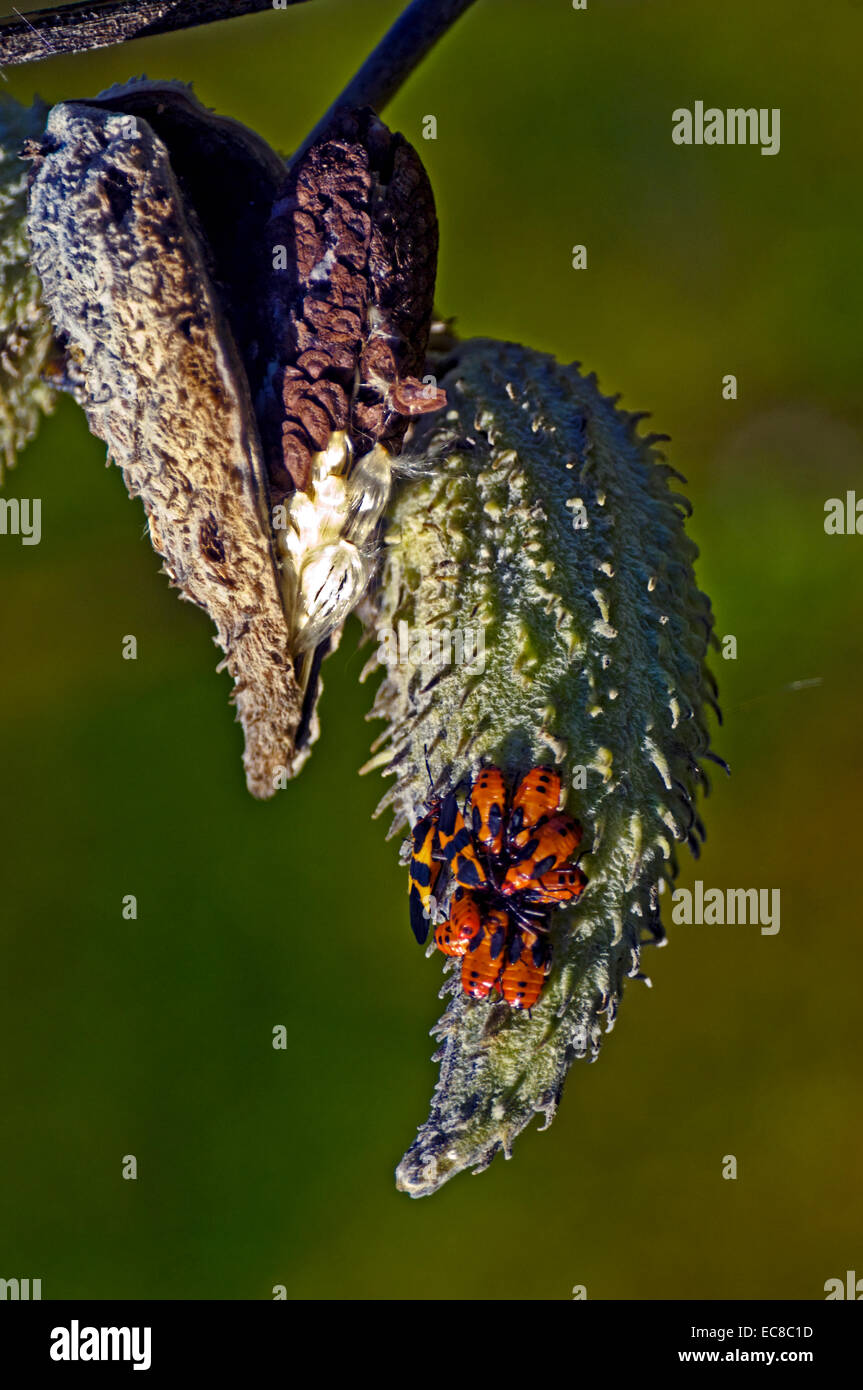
column 128, row 276
column 26, row 336
column 248, row 360
column 542, row 523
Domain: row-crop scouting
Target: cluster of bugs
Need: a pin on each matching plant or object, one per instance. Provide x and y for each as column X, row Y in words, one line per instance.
column 508, row 861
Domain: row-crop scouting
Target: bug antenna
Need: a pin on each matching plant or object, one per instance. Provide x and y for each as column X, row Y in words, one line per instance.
column 428, row 769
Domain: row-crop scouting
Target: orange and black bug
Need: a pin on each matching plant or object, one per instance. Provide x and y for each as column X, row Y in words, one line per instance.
column 456, row 846
column 481, row 967
column 537, row 795
column 424, row 871
column 488, row 809
column 508, row 873
column 562, row 885
column 522, row 979
column 454, row 936
column 551, row 843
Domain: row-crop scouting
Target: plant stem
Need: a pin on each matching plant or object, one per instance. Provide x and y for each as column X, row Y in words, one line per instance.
column 391, row 63
column 79, row 28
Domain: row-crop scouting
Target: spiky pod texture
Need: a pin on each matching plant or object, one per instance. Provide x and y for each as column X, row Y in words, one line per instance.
column 540, row 513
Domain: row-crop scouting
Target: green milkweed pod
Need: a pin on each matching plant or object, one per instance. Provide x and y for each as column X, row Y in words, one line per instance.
column 539, row 532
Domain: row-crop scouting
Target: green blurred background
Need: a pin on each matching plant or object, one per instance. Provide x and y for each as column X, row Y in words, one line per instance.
column 153, row 1037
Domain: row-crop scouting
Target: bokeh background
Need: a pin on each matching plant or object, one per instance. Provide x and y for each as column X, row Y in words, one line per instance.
column 153, row 1037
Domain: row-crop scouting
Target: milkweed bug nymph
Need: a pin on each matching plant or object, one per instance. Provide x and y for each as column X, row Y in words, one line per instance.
column 488, row 809
column 522, row 980
column 558, row 886
column 537, row 795
column 550, row 845
column 508, row 865
column 454, row 936
column 481, row 967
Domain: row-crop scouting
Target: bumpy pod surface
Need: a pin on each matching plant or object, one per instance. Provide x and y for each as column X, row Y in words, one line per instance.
column 540, row 532
column 26, row 336
column 125, row 272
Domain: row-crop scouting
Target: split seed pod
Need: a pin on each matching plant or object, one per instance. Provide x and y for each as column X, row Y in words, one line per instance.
column 542, row 534
column 243, row 363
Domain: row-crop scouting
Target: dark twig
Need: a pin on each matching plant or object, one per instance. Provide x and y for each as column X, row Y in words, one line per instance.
column 400, row 50
column 101, row 23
